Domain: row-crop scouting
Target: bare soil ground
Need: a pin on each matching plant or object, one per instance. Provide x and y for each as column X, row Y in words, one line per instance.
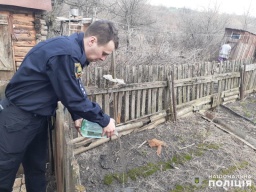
column 196, row 149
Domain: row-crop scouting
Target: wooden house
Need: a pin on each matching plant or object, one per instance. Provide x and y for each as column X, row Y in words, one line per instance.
column 21, row 27
column 243, row 43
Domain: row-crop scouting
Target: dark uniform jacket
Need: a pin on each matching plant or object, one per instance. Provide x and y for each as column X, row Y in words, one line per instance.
column 49, row 73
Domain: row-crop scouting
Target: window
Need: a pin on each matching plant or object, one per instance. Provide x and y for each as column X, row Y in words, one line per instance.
column 235, row 35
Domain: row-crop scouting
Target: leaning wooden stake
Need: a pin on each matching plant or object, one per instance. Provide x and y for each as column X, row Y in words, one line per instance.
column 244, row 139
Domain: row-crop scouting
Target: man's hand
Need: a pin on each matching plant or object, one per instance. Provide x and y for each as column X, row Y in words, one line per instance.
column 110, row 129
column 78, row 124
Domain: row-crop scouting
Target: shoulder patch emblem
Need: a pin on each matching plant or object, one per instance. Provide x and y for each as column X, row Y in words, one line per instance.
column 78, row 70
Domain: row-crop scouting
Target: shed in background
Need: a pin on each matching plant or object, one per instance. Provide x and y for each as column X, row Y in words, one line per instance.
column 21, row 27
column 243, row 43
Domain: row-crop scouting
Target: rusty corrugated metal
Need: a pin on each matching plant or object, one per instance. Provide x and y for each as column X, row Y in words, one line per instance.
column 41, row 5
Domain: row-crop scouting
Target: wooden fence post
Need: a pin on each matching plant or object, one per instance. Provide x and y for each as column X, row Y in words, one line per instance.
column 59, row 148
column 173, row 97
column 113, row 73
column 242, row 72
column 170, row 115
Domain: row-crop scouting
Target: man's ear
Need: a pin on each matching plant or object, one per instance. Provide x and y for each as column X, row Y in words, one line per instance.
column 92, row 40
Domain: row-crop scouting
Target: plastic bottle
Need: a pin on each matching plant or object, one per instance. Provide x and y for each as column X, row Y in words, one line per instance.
column 90, row 129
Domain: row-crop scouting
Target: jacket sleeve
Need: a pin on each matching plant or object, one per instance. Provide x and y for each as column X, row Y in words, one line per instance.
column 70, row 91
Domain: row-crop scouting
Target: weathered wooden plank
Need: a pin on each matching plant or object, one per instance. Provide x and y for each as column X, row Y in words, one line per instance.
column 119, row 107
column 127, row 104
column 29, row 15
column 233, row 97
column 250, row 67
column 133, row 104
column 138, row 104
column 97, row 78
column 251, row 80
column 134, row 74
column 201, row 89
column 230, row 92
column 127, row 74
column 246, row 79
column 24, row 37
column 193, row 92
column 106, row 103
column 150, row 73
column 160, row 99
column 228, row 83
column 204, row 79
column 154, row 102
column 161, row 73
column 23, row 18
column 253, row 85
column 139, row 99
column 22, row 49
column 189, row 87
column 99, row 100
column 100, row 74
column 155, row 73
column 24, row 43
column 59, row 147
column 140, row 73
column 179, row 89
column 127, row 87
column 149, row 102
column 145, row 74
column 197, row 91
column 184, row 88
column 22, row 23
column 143, row 102
column 212, row 88
column 24, row 29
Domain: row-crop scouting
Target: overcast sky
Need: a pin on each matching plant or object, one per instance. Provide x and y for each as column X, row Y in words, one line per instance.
column 227, row 6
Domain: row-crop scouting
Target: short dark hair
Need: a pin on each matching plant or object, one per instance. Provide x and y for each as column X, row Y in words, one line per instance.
column 104, row 30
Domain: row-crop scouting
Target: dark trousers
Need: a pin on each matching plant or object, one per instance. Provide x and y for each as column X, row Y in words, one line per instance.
column 23, row 139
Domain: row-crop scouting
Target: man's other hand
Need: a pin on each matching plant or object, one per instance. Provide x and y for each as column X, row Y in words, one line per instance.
column 78, row 124
column 110, row 129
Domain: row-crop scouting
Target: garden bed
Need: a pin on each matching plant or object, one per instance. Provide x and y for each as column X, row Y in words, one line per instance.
column 196, row 148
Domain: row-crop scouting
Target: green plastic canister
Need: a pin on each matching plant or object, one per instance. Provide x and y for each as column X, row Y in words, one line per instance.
column 91, row 129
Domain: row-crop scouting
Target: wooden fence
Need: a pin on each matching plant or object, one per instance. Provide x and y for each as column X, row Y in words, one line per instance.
column 147, row 89
column 150, row 91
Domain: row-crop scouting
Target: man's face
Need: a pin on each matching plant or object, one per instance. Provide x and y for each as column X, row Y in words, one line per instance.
column 95, row 52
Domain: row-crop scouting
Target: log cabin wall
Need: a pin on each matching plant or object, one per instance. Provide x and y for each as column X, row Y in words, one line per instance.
column 26, row 28
column 20, row 30
column 23, row 36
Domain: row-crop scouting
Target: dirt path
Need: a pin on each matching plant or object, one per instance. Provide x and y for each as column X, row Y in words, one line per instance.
column 196, row 151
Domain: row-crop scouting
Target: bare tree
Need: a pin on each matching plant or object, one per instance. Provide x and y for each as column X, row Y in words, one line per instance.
column 247, row 18
column 50, row 17
column 131, row 14
column 88, row 8
column 203, row 30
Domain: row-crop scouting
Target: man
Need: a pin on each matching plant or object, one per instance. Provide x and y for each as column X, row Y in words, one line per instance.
column 224, row 52
column 49, row 73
